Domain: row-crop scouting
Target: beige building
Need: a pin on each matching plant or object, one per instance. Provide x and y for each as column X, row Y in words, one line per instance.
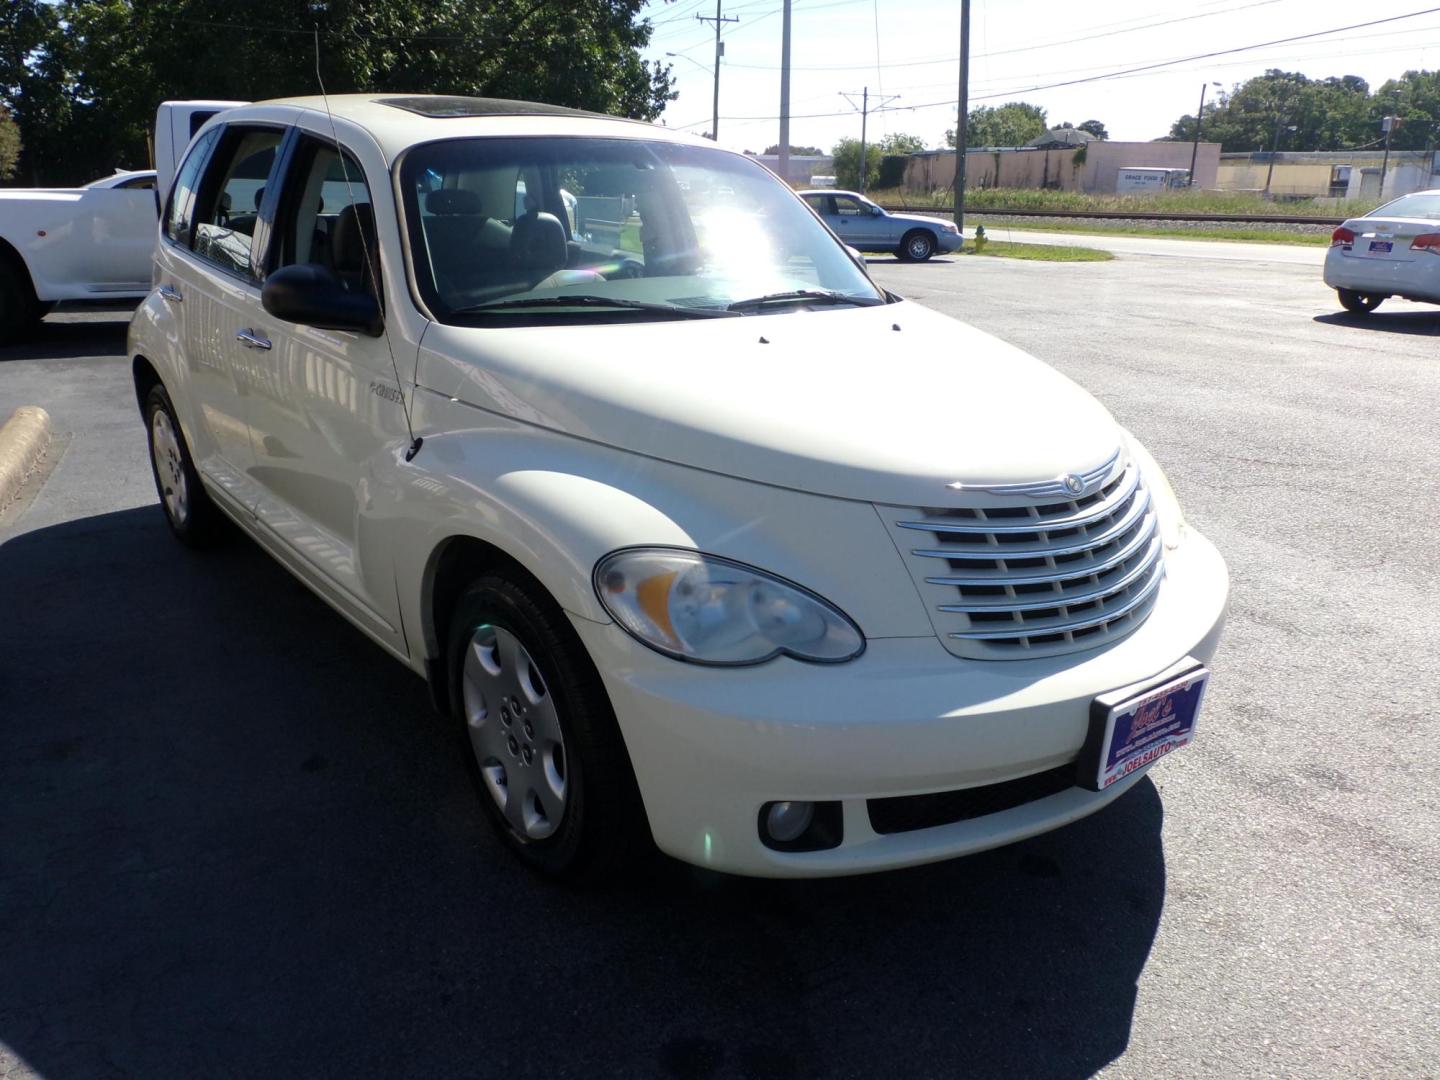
column 1340, row 175
column 1092, row 168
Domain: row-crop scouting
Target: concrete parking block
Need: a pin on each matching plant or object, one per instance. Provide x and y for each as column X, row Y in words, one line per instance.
column 23, row 440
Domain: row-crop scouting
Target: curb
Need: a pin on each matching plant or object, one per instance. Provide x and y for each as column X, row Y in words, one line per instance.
column 22, row 440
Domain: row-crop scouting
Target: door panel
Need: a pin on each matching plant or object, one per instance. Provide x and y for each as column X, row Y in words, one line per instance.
column 328, row 402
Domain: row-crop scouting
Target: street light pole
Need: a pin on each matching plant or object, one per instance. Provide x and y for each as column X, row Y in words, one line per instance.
column 1274, row 148
column 1389, row 123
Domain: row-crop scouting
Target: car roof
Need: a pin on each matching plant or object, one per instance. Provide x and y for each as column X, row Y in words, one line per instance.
column 397, row 121
column 830, row 191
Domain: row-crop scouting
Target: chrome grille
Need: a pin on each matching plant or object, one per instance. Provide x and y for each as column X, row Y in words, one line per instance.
column 1010, row 575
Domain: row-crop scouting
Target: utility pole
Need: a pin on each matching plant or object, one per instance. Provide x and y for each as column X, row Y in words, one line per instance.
column 865, row 111
column 1389, row 123
column 785, row 95
column 719, row 20
column 1199, row 120
column 962, row 121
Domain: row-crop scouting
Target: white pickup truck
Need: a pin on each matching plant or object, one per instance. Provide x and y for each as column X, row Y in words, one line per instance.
column 95, row 242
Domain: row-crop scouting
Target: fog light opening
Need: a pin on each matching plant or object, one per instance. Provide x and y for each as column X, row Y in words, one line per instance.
column 798, row 825
column 787, row 821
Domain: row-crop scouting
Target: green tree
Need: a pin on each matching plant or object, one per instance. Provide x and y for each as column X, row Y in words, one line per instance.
column 1094, row 127
column 797, row 151
column 900, row 143
column 1327, row 114
column 9, row 145
column 846, row 153
column 113, row 61
column 32, row 84
column 1012, row 124
column 1415, row 99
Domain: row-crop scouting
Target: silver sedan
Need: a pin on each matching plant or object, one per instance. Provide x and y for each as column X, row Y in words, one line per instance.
column 867, row 227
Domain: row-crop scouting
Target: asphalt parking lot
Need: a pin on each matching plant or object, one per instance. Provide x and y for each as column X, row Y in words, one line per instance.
column 234, row 840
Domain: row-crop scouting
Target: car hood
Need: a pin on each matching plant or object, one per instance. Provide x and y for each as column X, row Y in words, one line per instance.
column 920, row 219
column 884, row 404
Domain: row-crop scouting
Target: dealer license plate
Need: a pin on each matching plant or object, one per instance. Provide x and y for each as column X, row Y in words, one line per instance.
column 1147, row 726
column 1381, row 247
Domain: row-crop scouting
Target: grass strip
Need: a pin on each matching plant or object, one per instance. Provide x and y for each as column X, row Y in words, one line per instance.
column 1240, row 233
column 1005, row 249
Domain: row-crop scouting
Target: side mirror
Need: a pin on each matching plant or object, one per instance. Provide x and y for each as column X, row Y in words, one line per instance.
column 876, row 211
column 313, row 295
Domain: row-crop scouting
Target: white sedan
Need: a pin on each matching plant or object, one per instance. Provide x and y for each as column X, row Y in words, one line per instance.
column 698, row 534
column 1391, row 251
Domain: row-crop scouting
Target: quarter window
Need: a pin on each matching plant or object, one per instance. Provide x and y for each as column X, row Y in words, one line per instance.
column 230, row 197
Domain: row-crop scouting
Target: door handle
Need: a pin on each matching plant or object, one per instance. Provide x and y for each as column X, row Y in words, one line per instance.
column 251, row 340
column 169, row 292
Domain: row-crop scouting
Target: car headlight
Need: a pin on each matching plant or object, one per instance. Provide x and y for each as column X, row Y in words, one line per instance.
column 1162, row 495
column 949, row 226
column 711, row 610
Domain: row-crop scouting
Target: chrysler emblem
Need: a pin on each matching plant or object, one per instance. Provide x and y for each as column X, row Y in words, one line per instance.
column 1073, row 484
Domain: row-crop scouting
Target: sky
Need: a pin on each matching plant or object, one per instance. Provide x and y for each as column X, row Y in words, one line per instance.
column 909, row 50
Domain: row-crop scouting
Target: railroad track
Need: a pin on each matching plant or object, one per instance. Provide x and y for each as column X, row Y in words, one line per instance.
column 1127, row 215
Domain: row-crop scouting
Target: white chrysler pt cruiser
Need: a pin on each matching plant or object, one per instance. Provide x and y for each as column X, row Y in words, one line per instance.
column 700, row 535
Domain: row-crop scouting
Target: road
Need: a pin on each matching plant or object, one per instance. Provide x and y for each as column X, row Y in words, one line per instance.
column 234, row 841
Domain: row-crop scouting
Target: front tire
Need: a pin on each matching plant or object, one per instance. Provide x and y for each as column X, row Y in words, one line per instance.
column 192, row 516
column 546, row 754
column 917, row 246
column 19, row 309
column 1359, row 303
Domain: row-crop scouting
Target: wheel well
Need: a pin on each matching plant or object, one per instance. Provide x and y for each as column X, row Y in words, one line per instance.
column 453, row 565
column 918, row 229
column 145, row 377
column 12, row 257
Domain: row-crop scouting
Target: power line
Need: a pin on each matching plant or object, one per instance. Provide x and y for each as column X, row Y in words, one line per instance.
column 1124, row 72
column 1022, row 48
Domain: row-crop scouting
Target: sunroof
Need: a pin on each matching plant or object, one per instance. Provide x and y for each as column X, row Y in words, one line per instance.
column 442, row 107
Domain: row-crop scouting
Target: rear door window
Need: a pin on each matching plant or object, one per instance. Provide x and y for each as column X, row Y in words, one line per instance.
column 228, row 205
column 179, row 214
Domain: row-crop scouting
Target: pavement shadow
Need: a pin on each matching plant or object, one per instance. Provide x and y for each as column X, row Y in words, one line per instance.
column 63, row 336
column 1423, row 323
column 236, row 842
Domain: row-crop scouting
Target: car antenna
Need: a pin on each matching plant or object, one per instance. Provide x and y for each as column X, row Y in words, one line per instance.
column 415, row 443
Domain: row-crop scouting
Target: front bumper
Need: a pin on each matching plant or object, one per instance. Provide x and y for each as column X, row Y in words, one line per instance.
column 711, row 745
column 947, row 241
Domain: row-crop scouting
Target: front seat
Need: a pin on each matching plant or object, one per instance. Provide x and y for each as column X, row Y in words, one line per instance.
column 538, row 251
column 355, row 253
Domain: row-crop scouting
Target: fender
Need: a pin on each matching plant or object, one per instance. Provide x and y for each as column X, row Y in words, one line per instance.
column 556, row 504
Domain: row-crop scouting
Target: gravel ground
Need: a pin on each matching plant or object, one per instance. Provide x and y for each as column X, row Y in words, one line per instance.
column 1101, row 225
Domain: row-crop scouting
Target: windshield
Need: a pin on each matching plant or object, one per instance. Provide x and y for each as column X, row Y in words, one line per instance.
column 1422, row 205
column 660, row 228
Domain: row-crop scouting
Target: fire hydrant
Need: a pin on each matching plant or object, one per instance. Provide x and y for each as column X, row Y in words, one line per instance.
column 980, row 238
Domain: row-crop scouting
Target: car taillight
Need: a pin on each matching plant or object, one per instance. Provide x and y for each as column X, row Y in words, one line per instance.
column 1342, row 235
column 1429, row 242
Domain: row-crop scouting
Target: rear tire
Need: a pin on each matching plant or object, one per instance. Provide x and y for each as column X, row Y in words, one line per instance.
column 1359, row 303
column 19, row 310
column 194, row 519
column 546, row 755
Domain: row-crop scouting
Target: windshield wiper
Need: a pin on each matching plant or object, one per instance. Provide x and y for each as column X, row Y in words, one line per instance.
column 589, row 301
column 802, row 296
